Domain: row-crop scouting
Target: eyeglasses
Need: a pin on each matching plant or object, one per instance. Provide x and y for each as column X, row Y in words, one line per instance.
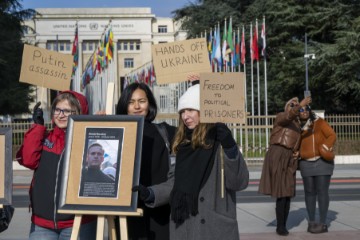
column 293, row 104
column 307, row 109
column 66, row 112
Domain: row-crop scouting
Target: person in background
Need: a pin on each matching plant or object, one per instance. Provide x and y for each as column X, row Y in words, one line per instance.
column 278, row 177
column 43, row 152
column 203, row 204
column 315, row 170
column 156, row 171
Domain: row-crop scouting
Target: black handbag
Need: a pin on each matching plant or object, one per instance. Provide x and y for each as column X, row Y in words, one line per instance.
column 6, row 214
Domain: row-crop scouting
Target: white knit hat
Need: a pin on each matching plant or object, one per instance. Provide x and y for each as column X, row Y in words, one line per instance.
column 190, row 99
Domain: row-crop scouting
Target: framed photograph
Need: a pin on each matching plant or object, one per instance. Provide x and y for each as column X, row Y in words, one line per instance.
column 101, row 164
column 6, row 163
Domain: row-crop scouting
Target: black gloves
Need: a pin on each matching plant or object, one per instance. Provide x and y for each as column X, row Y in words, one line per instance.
column 144, row 192
column 38, row 115
column 224, row 136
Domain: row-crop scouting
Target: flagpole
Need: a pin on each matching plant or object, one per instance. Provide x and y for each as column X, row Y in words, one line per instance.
column 265, row 82
column 252, row 85
column 258, row 84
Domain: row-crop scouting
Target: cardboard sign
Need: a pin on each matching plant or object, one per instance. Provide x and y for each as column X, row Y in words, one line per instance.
column 222, row 97
column 46, row 68
column 173, row 62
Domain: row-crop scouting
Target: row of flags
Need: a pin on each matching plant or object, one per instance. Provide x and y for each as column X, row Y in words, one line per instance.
column 100, row 58
column 146, row 74
column 224, row 54
column 231, row 50
column 227, row 50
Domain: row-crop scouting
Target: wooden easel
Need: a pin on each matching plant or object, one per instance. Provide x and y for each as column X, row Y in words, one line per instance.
column 101, row 222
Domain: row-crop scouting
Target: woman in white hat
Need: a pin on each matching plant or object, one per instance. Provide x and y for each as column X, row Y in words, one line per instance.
column 203, row 206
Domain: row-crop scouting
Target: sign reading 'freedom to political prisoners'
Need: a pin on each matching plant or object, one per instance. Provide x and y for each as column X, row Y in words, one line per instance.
column 173, row 62
column 46, row 68
column 222, row 97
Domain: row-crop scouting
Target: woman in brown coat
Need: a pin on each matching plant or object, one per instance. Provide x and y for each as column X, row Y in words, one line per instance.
column 280, row 163
column 316, row 169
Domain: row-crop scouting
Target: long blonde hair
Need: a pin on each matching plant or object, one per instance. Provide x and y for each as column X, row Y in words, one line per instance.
column 198, row 138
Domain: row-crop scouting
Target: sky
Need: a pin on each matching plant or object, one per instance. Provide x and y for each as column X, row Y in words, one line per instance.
column 161, row 8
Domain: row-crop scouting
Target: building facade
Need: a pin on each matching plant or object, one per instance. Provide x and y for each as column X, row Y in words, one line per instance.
column 135, row 30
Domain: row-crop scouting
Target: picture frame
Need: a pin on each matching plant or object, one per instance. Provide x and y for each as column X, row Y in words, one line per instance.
column 116, row 142
column 6, row 166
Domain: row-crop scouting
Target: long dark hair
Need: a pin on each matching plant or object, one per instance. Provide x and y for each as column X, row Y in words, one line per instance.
column 126, row 95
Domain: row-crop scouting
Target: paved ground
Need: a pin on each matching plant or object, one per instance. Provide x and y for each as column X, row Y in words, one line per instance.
column 256, row 220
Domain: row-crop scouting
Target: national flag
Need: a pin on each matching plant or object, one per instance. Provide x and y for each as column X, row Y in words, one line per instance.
column 263, row 36
column 229, row 39
column 237, row 49
column 104, row 44
column 75, row 51
column 216, row 54
column 153, row 76
column 110, row 45
column 210, row 41
column 243, row 48
column 254, row 46
column 224, row 46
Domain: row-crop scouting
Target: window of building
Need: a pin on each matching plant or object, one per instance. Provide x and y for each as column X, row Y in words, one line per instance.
column 125, row 46
column 129, row 45
column 89, row 46
column 128, row 63
column 162, row 29
column 59, row 46
column 163, row 102
column 119, row 46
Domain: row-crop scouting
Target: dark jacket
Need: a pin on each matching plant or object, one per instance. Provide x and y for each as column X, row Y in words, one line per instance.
column 154, row 171
column 43, row 152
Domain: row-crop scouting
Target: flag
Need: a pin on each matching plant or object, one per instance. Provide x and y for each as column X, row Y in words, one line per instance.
column 237, row 49
column 110, row 45
column 229, row 39
column 254, row 46
column 104, row 44
column 75, row 51
column 243, row 48
column 263, row 39
column 224, row 46
column 153, row 76
column 210, row 41
column 216, row 51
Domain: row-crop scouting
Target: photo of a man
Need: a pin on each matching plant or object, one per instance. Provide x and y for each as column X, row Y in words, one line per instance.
column 94, row 182
column 95, row 157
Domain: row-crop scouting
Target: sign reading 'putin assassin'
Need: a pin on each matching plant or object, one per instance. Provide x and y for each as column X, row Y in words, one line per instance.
column 222, row 97
column 46, row 68
column 173, row 62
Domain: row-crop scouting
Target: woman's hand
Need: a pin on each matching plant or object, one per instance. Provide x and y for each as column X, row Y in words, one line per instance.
column 306, row 101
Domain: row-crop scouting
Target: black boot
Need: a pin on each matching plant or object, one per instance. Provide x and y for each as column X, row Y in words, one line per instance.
column 280, row 219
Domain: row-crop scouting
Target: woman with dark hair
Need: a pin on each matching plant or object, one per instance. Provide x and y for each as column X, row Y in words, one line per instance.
column 279, row 169
column 156, row 171
column 316, row 170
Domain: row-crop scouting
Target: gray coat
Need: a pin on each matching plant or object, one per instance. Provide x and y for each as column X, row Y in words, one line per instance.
column 216, row 219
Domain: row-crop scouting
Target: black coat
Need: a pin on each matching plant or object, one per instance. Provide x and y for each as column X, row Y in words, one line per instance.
column 154, row 169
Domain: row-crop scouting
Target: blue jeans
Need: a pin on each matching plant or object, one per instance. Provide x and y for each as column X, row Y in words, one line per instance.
column 87, row 232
